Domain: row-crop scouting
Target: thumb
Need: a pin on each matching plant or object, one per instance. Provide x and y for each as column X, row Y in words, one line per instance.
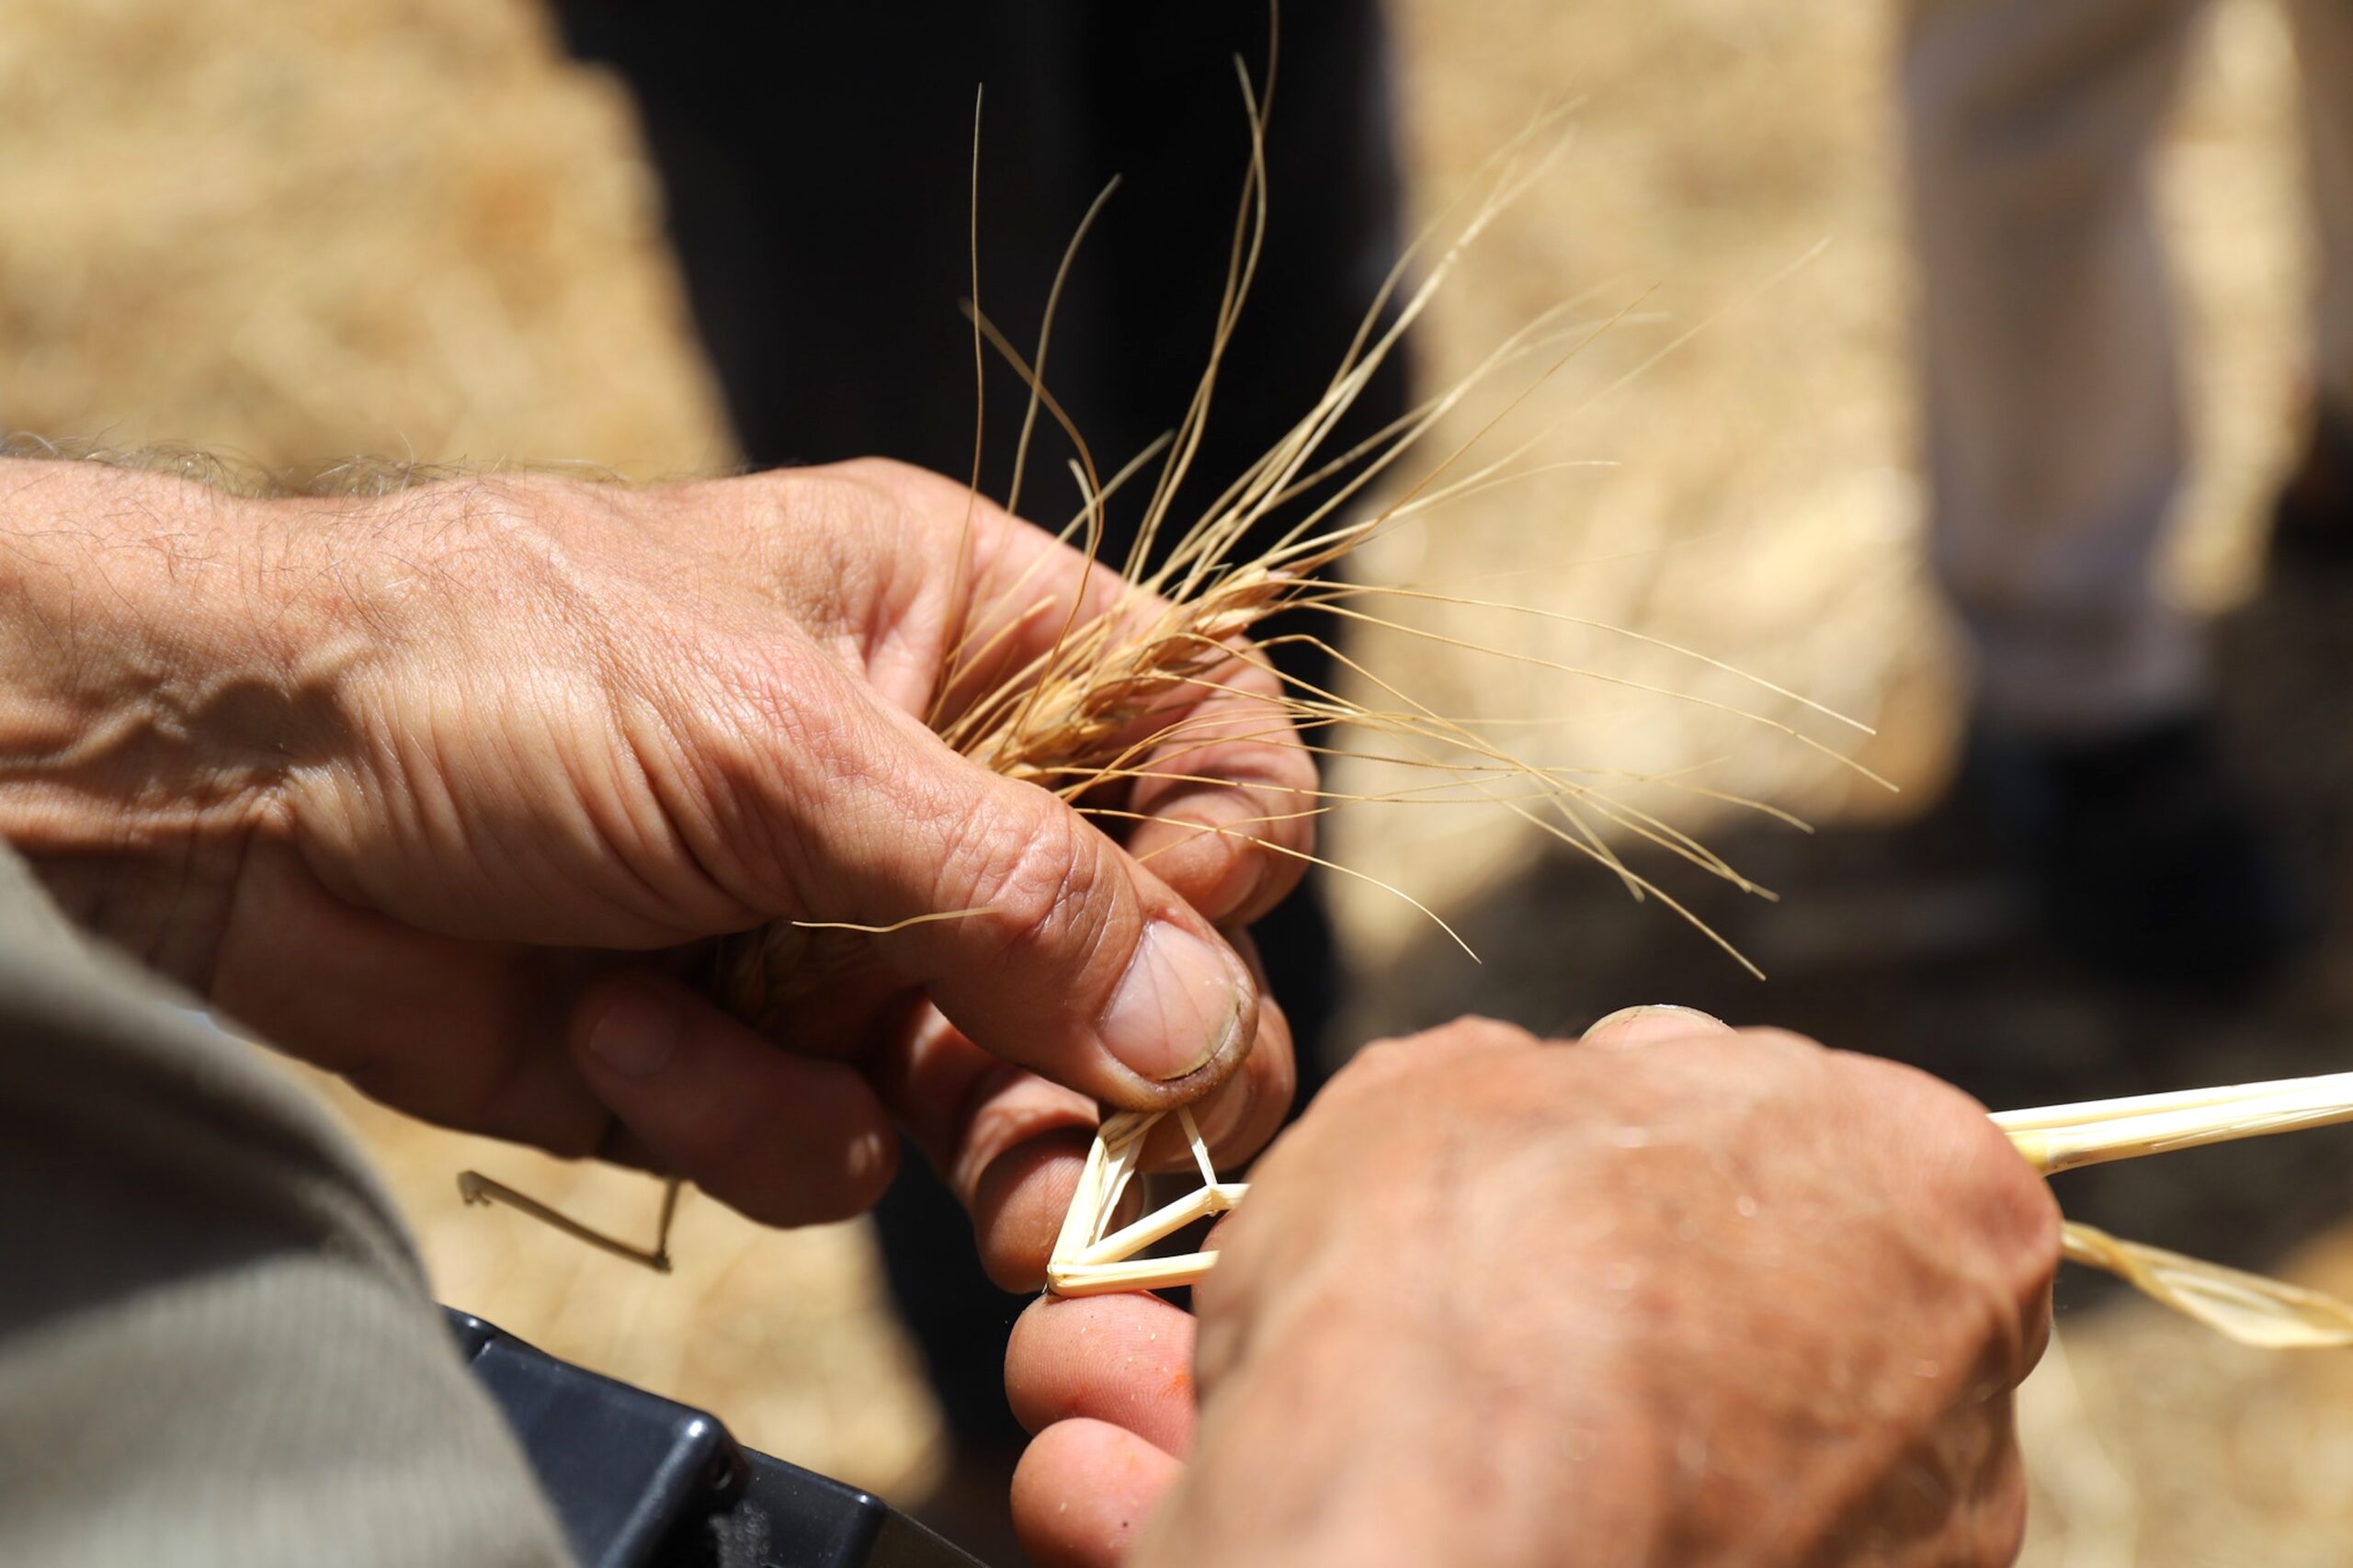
column 1073, row 960
column 1646, row 1024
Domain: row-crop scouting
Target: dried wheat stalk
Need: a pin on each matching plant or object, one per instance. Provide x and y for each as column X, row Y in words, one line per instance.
column 2246, row 1307
column 1105, row 704
column 1108, row 704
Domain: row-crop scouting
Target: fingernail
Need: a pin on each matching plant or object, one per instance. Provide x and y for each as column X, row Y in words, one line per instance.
column 637, row 1035
column 1653, row 1021
column 1175, row 1008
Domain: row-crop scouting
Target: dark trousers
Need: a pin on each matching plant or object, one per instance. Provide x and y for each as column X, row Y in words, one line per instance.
column 817, row 164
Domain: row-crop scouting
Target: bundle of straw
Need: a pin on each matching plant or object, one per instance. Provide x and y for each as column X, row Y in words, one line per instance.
column 1107, row 705
column 1113, row 700
column 1090, row 1258
column 2246, row 1307
column 1112, row 704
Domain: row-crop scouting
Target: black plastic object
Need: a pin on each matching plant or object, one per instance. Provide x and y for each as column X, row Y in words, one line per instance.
column 638, row 1480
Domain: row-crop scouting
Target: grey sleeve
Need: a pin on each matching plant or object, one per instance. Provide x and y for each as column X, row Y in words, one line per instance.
column 216, row 1344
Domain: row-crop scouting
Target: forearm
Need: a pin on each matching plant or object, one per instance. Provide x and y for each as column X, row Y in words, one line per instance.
column 165, row 656
column 131, row 633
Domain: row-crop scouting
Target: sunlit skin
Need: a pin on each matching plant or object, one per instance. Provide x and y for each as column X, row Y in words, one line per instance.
column 1673, row 1294
column 451, row 789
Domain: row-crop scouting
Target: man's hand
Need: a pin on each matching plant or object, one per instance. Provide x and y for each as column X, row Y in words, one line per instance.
column 1675, row 1294
column 451, row 789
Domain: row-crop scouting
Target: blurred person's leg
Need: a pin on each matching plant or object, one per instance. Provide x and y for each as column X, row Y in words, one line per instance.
column 216, row 1344
column 2315, row 516
column 2325, row 51
column 2053, row 423
column 2055, row 450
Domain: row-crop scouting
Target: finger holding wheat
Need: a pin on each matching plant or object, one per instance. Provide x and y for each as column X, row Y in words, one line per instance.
column 1134, row 697
column 730, row 735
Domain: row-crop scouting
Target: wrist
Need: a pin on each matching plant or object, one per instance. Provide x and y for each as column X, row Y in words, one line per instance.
column 160, row 672
column 144, row 679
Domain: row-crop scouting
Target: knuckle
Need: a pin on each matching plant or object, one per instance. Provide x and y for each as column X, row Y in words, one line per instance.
column 1790, row 1047
column 869, row 1163
column 1039, row 872
column 1464, row 1036
column 1382, row 1058
column 727, row 1145
column 1980, row 1177
column 787, row 1183
column 2003, row 1515
column 1476, row 1033
column 747, row 757
column 929, row 508
column 2025, row 1218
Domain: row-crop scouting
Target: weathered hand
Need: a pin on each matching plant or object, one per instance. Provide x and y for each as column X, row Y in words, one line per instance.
column 451, row 790
column 1676, row 1294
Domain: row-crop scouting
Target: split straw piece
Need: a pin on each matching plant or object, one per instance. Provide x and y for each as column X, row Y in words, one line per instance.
column 1201, row 1203
column 2245, row 1307
column 2266, row 1313
column 2168, row 1099
column 2058, row 1138
column 2269, row 1314
column 1088, row 1263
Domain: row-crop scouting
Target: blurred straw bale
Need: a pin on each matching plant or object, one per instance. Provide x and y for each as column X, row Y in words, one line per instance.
column 302, row 232
column 1760, row 505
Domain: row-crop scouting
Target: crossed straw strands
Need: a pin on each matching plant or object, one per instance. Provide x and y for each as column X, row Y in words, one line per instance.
column 1092, row 1259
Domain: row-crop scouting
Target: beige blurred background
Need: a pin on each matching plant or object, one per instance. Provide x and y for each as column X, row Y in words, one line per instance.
column 297, row 233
